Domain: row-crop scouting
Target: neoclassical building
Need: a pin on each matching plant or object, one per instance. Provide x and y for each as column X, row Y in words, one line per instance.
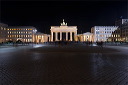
column 41, row 37
column 63, row 32
column 85, row 37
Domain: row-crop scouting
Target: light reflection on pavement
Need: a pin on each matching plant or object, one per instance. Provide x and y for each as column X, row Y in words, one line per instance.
column 77, row 64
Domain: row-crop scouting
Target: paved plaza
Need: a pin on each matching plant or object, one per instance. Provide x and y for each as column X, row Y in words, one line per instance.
column 75, row 64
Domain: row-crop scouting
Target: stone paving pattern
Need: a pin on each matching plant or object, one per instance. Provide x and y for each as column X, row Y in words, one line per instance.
column 71, row 64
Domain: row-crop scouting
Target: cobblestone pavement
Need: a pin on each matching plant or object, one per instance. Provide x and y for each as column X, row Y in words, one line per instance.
column 71, row 64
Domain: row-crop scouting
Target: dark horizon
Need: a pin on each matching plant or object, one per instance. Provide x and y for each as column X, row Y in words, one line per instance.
column 43, row 14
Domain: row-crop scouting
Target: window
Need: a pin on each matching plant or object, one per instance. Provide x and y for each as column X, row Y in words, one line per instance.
column 97, row 28
column 97, row 32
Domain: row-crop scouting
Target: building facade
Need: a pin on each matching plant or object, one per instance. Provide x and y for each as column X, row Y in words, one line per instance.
column 122, row 31
column 116, row 36
column 3, row 32
column 41, row 38
column 22, row 33
column 102, row 33
column 120, row 22
column 85, row 37
column 63, row 33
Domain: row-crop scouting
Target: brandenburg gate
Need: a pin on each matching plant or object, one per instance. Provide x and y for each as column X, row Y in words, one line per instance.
column 57, row 32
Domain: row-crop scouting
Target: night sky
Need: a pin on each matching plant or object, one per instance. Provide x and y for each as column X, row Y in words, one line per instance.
column 43, row 14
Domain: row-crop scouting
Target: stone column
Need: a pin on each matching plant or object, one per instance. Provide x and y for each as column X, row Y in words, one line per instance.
column 51, row 36
column 66, row 36
column 84, row 38
column 37, row 39
column 75, row 36
column 43, row 39
column 70, row 36
column 60, row 35
column 56, row 36
column 90, row 39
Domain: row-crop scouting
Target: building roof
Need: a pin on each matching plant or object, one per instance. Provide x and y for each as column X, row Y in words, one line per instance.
column 105, row 26
column 21, row 27
column 87, row 33
column 3, row 25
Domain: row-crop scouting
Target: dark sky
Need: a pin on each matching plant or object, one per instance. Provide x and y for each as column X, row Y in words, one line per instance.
column 43, row 14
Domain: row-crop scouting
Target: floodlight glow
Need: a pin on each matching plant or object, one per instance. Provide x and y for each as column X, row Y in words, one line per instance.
column 35, row 30
column 94, row 45
column 37, row 46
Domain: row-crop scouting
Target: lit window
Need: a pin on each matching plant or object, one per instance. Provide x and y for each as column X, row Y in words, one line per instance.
column 1, row 28
column 116, row 35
